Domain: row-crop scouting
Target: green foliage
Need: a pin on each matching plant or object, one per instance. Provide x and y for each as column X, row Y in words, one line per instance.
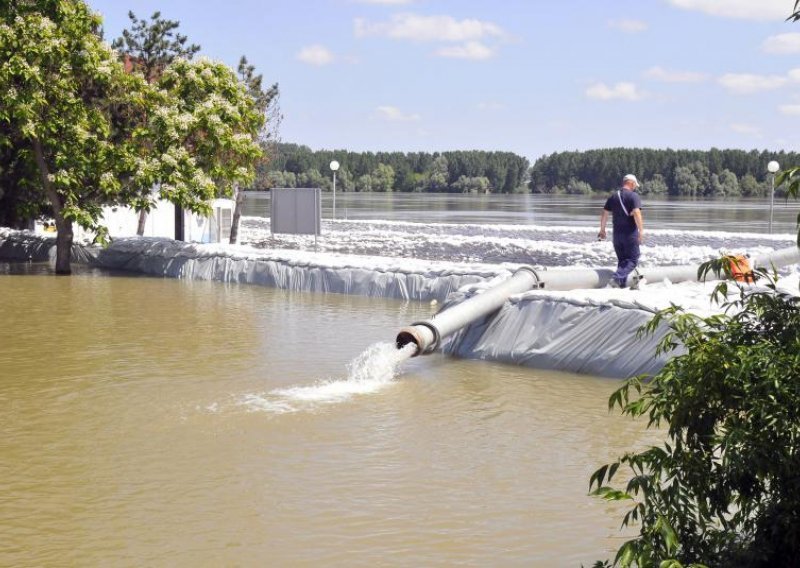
column 314, row 178
column 654, row 186
column 415, row 171
column 685, row 182
column 477, row 184
column 344, row 180
column 201, row 134
column 684, row 172
column 702, row 173
column 577, row 187
column 281, row 179
column 364, row 183
column 724, row 185
column 438, row 179
column 673, row 172
column 67, row 109
column 383, row 178
column 724, row 488
column 148, row 47
column 750, row 186
column 789, row 179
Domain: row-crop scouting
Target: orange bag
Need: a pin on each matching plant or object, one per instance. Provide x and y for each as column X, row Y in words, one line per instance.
column 740, row 269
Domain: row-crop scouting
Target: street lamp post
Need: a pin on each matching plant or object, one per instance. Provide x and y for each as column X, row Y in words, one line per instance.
column 772, row 167
column 334, row 167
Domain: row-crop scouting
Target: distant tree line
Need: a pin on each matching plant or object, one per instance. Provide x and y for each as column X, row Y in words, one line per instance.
column 711, row 173
column 472, row 171
column 689, row 173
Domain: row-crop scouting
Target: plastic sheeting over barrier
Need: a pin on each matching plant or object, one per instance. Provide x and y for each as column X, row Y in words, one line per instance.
column 22, row 245
column 548, row 332
column 287, row 270
column 404, row 279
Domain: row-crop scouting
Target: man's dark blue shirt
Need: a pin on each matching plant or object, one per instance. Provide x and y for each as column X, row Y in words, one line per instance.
column 624, row 224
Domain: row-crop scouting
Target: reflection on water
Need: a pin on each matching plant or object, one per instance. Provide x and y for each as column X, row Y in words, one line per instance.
column 745, row 215
column 124, row 439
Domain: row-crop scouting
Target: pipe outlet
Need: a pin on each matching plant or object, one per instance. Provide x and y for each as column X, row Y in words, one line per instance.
column 422, row 334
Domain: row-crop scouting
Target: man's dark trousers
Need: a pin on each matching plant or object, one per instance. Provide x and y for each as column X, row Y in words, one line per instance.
column 627, row 249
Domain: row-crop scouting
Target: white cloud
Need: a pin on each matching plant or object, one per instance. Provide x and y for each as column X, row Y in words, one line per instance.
column 740, row 9
column 315, row 55
column 414, row 27
column 628, row 26
column 473, row 50
column 394, row 114
column 747, row 83
column 790, row 110
column 669, row 76
column 749, row 129
column 782, row 43
column 620, row 91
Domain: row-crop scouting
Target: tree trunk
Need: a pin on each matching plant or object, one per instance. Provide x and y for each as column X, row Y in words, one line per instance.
column 179, row 223
column 63, row 226
column 142, row 221
column 64, row 238
column 237, row 213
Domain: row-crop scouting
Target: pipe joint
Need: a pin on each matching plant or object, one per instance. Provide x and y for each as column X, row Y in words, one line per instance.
column 423, row 334
column 539, row 282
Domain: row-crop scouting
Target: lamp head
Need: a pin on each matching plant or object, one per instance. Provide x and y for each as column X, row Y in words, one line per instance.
column 773, row 167
column 334, row 165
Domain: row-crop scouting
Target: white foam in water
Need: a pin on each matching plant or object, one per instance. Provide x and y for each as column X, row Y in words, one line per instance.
column 264, row 403
column 371, row 371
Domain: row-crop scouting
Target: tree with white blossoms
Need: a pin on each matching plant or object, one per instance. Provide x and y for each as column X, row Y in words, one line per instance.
column 96, row 135
column 58, row 86
column 201, row 137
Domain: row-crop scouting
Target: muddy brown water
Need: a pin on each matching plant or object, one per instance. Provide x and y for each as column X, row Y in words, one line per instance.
column 156, row 422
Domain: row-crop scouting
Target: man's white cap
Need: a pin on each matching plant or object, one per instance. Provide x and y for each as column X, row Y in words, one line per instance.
column 631, row 177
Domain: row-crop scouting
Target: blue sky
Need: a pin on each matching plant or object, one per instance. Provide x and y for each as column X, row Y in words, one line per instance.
column 528, row 76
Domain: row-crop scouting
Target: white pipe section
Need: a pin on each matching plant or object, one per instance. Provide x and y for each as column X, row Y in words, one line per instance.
column 778, row 258
column 428, row 334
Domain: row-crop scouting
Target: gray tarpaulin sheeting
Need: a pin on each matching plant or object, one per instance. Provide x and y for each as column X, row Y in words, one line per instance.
column 26, row 246
column 165, row 257
column 548, row 332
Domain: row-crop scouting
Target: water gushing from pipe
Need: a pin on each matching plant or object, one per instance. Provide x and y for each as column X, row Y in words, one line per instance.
column 369, row 372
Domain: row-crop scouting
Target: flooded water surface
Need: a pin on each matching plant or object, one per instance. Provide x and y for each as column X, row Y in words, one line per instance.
column 155, row 422
column 748, row 215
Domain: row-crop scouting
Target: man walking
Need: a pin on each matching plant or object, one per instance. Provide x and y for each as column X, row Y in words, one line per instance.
column 625, row 206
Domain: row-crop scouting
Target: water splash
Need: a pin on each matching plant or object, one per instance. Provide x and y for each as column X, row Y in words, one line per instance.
column 371, row 371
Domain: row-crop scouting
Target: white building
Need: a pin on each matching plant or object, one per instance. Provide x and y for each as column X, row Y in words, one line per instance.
column 122, row 222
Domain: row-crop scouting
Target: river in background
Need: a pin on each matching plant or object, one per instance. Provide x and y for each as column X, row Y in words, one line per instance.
column 737, row 216
column 159, row 422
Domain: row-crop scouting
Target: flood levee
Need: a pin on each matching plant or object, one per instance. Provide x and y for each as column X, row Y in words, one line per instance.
column 587, row 331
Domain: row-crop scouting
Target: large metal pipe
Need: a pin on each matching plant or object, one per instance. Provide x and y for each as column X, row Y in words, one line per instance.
column 427, row 335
